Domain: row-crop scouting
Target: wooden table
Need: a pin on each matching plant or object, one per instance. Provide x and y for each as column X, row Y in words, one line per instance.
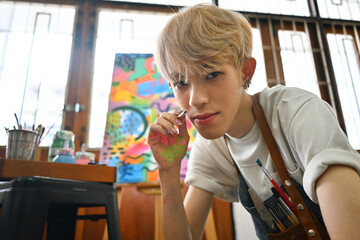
column 11, row 168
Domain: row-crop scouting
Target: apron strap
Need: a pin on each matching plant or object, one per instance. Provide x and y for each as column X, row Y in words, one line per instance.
column 302, row 212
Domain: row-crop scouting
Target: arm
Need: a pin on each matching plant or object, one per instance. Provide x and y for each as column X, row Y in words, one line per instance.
column 183, row 222
column 338, row 191
column 315, row 135
column 197, row 206
column 169, row 148
column 175, row 225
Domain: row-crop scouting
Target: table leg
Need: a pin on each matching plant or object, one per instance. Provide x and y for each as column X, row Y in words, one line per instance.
column 79, row 225
column 159, row 233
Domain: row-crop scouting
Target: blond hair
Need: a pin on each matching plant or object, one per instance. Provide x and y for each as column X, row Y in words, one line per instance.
column 200, row 37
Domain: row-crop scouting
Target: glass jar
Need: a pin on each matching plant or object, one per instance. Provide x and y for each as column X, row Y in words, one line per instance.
column 65, row 155
column 59, row 142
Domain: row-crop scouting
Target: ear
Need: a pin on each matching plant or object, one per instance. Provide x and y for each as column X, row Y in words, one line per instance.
column 248, row 69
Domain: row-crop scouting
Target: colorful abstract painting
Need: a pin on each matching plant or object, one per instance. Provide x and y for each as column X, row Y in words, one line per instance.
column 138, row 94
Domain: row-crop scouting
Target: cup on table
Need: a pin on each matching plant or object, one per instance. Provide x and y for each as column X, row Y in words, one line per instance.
column 22, row 144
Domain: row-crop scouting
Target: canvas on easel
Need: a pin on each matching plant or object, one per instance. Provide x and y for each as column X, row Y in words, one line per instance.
column 138, row 94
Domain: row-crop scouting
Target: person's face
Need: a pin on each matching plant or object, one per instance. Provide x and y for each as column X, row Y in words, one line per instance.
column 213, row 101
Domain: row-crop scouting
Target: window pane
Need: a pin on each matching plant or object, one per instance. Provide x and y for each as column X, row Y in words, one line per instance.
column 35, row 47
column 297, row 60
column 340, row 9
column 169, row 2
column 118, row 32
column 258, row 82
column 347, row 74
column 286, row 7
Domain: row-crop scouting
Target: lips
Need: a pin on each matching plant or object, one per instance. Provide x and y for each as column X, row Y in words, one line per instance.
column 204, row 119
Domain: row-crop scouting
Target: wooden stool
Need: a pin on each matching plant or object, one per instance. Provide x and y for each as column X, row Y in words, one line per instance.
column 29, row 202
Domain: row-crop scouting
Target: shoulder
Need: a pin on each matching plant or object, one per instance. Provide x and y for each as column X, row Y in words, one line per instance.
column 281, row 94
column 280, row 100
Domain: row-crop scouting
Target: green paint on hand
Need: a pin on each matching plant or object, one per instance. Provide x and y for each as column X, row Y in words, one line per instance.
column 171, row 152
column 171, row 146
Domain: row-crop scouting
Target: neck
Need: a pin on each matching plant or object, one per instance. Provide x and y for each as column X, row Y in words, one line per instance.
column 244, row 120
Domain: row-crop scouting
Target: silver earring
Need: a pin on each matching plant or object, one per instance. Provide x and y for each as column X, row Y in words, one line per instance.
column 247, row 83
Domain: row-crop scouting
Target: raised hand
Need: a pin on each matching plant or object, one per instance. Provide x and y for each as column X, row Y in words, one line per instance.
column 168, row 139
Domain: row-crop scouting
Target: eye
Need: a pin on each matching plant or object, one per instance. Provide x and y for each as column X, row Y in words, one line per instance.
column 213, row 75
column 180, row 83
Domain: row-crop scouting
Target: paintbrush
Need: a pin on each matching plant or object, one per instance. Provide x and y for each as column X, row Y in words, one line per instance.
column 182, row 113
column 278, row 189
column 17, row 121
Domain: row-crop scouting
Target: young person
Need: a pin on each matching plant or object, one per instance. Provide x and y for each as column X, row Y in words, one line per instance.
column 205, row 53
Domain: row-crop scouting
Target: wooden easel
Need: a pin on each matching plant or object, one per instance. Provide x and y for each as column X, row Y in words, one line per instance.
column 153, row 188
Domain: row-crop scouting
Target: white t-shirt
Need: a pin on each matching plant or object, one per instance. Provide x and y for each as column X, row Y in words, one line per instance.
column 307, row 133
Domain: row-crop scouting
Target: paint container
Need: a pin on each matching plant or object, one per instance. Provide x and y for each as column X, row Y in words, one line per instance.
column 22, row 144
column 59, row 142
column 65, row 155
column 84, row 157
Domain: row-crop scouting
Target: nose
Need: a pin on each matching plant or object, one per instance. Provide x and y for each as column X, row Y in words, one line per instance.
column 199, row 94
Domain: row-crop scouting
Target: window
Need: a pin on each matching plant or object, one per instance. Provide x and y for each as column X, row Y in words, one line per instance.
column 347, row 73
column 286, row 7
column 340, row 9
column 298, row 61
column 35, row 47
column 258, row 82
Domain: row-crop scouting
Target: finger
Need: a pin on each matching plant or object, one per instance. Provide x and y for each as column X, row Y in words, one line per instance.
column 155, row 128
column 176, row 111
column 183, row 128
column 172, row 117
column 168, row 126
